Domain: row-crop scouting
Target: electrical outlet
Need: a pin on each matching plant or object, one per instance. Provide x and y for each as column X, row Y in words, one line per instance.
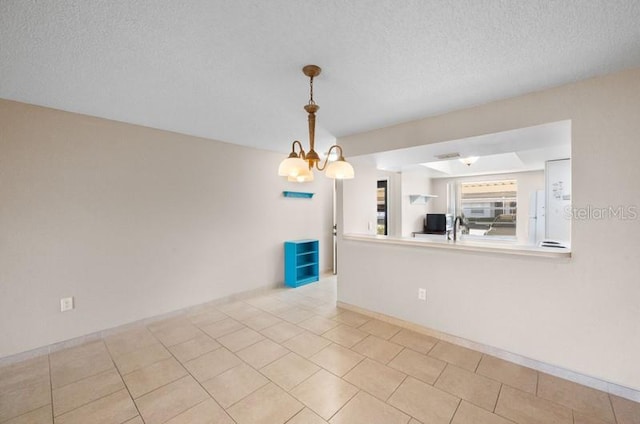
column 422, row 294
column 66, row 304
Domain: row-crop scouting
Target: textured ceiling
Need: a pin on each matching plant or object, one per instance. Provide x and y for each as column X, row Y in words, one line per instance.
column 230, row 69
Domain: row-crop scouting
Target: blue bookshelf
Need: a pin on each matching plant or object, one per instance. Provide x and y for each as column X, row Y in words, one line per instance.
column 301, row 262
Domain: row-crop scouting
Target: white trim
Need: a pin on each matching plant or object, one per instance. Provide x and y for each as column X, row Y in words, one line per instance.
column 585, row 380
column 484, row 246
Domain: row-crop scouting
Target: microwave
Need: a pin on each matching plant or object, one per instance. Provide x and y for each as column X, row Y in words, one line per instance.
column 438, row 223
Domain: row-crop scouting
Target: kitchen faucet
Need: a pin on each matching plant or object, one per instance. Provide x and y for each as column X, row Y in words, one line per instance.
column 455, row 227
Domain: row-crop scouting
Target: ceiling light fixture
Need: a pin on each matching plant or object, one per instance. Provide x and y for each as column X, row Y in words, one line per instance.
column 469, row 160
column 298, row 167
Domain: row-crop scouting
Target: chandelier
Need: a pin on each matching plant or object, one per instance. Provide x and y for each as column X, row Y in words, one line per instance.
column 298, row 167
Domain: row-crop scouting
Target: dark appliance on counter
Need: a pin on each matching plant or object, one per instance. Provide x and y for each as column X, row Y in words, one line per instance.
column 438, row 223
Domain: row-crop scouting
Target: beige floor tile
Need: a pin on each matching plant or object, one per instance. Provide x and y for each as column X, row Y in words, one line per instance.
column 240, row 339
column 206, row 317
column 170, row 400
column 311, row 302
column 479, row 390
column 351, row 318
column 509, row 373
column 627, row 412
column 318, row 325
column 267, row 405
column 418, row 365
column 456, row 355
column 572, row 395
column 234, row 384
column 306, row 344
column 324, row 393
column 179, row 333
column 212, row 364
column 141, row 358
column 23, row 400
column 25, row 373
column 377, row 379
column 295, row 315
column 129, row 340
column 262, row 353
column 149, row 378
column 79, row 352
column 337, row 359
column 261, row 321
column 41, row 415
column 193, row 348
column 330, row 311
column 223, row 327
column 414, row 341
column 525, row 408
column 136, row 420
column 381, row 329
column 424, row 402
column 261, row 301
column 471, row 414
column 282, row 332
column 115, row 408
column 239, row 310
column 366, row 409
column 176, row 320
column 579, row 418
column 345, row 335
column 290, row 370
column 70, row 365
column 207, row 412
column 306, row 416
column 378, row 349
column 84, row 391
column 273, row 305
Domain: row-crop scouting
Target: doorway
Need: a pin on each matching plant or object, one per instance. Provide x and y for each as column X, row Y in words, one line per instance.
column 382, row 228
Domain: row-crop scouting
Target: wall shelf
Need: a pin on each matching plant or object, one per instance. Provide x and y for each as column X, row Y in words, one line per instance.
column 298, row 194
column 301, row 263
column 420, row 199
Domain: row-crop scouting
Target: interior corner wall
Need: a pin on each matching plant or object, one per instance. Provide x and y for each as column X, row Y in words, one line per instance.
column 359, row 199
column 134, row 222
column 414, row 182
column 581, row 314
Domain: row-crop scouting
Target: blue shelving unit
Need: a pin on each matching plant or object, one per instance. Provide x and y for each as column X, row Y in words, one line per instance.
column 301, row 263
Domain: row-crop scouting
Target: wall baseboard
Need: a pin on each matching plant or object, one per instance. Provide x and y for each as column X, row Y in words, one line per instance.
column 99, row 335
column 585, row 380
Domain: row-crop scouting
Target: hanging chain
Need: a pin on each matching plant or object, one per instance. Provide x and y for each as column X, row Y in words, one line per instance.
column 311, row 102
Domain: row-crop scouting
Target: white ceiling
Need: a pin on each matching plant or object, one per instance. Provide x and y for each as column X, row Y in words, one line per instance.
column 230, row 69
column 523, row 149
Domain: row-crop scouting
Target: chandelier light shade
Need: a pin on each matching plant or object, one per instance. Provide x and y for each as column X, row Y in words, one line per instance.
column 298, row 166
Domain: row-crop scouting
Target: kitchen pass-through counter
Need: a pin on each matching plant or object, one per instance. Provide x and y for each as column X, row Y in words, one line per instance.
column 498, row 247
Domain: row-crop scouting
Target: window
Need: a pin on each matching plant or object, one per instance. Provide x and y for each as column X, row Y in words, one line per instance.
column 382, row 227
column 490, row 207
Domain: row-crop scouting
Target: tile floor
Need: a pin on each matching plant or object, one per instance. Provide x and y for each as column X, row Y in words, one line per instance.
column 289, row 356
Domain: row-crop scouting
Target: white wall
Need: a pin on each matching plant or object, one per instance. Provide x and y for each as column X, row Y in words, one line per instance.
column 359, row 197
column 527, row 182
column 582, row 314
column 134, row 222
column 414, row 182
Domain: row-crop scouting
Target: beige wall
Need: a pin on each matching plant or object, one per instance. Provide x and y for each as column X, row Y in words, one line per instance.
column 582, row 314
column 134, row 222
